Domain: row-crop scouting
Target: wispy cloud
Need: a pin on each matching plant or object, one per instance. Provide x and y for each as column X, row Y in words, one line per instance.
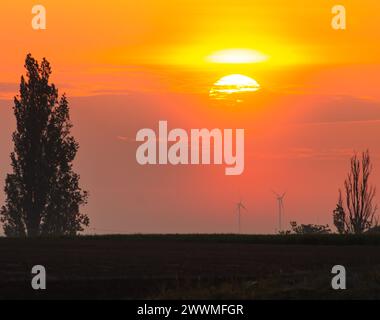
column 8, row 90
column 309, row 153
column 8, row 86
column 335, row 109
column 126, row 139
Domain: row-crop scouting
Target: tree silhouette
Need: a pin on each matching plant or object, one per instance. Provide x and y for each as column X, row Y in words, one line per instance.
column 42, row 193
column 359, row 193
column 339, row 216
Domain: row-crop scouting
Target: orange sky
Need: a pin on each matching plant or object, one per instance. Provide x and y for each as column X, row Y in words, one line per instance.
column 127, row 64
column 88, row 41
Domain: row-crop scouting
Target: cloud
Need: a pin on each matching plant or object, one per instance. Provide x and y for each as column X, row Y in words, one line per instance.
column 336, row 109
column 309, row 153
column 110, row 91
column 126, row 139
column 8, row 87
column 8, row 90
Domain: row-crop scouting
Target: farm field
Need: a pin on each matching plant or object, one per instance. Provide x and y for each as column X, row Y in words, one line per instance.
column 191, row 267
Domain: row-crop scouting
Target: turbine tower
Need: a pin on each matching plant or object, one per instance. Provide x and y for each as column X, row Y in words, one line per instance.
column 280, row 200
column 240, row 206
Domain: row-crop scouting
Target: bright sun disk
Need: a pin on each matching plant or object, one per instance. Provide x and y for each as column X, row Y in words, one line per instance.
column 234, row 83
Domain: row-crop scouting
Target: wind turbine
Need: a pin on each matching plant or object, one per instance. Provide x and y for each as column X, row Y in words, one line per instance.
column 240, row 206
column 280, row 200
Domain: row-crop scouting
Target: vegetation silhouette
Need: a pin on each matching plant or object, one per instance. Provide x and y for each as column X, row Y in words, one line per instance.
column 309, row 228
column 43, row 196
column 358, row 214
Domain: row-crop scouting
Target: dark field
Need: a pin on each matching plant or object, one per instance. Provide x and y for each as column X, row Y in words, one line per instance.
column 191, row 267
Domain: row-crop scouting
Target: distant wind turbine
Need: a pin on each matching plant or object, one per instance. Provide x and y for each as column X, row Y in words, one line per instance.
column 280, row 200
column 240, row 206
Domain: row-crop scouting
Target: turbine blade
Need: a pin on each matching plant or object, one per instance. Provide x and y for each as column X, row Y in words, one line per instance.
column 275, row 193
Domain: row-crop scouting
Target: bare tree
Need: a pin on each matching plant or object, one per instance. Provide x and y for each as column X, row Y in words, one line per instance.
column 360, row 195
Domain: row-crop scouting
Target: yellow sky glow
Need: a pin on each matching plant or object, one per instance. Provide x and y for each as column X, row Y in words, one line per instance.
column 84, row 37
column 237, row 56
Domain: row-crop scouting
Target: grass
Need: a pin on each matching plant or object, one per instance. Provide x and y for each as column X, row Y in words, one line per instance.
column 361, row 285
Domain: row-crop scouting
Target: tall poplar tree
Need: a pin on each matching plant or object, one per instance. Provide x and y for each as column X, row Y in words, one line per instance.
column 43, row 196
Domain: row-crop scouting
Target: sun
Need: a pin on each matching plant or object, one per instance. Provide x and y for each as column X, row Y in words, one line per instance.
column 232, row 84
column 239, row 81
column 237, row 56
